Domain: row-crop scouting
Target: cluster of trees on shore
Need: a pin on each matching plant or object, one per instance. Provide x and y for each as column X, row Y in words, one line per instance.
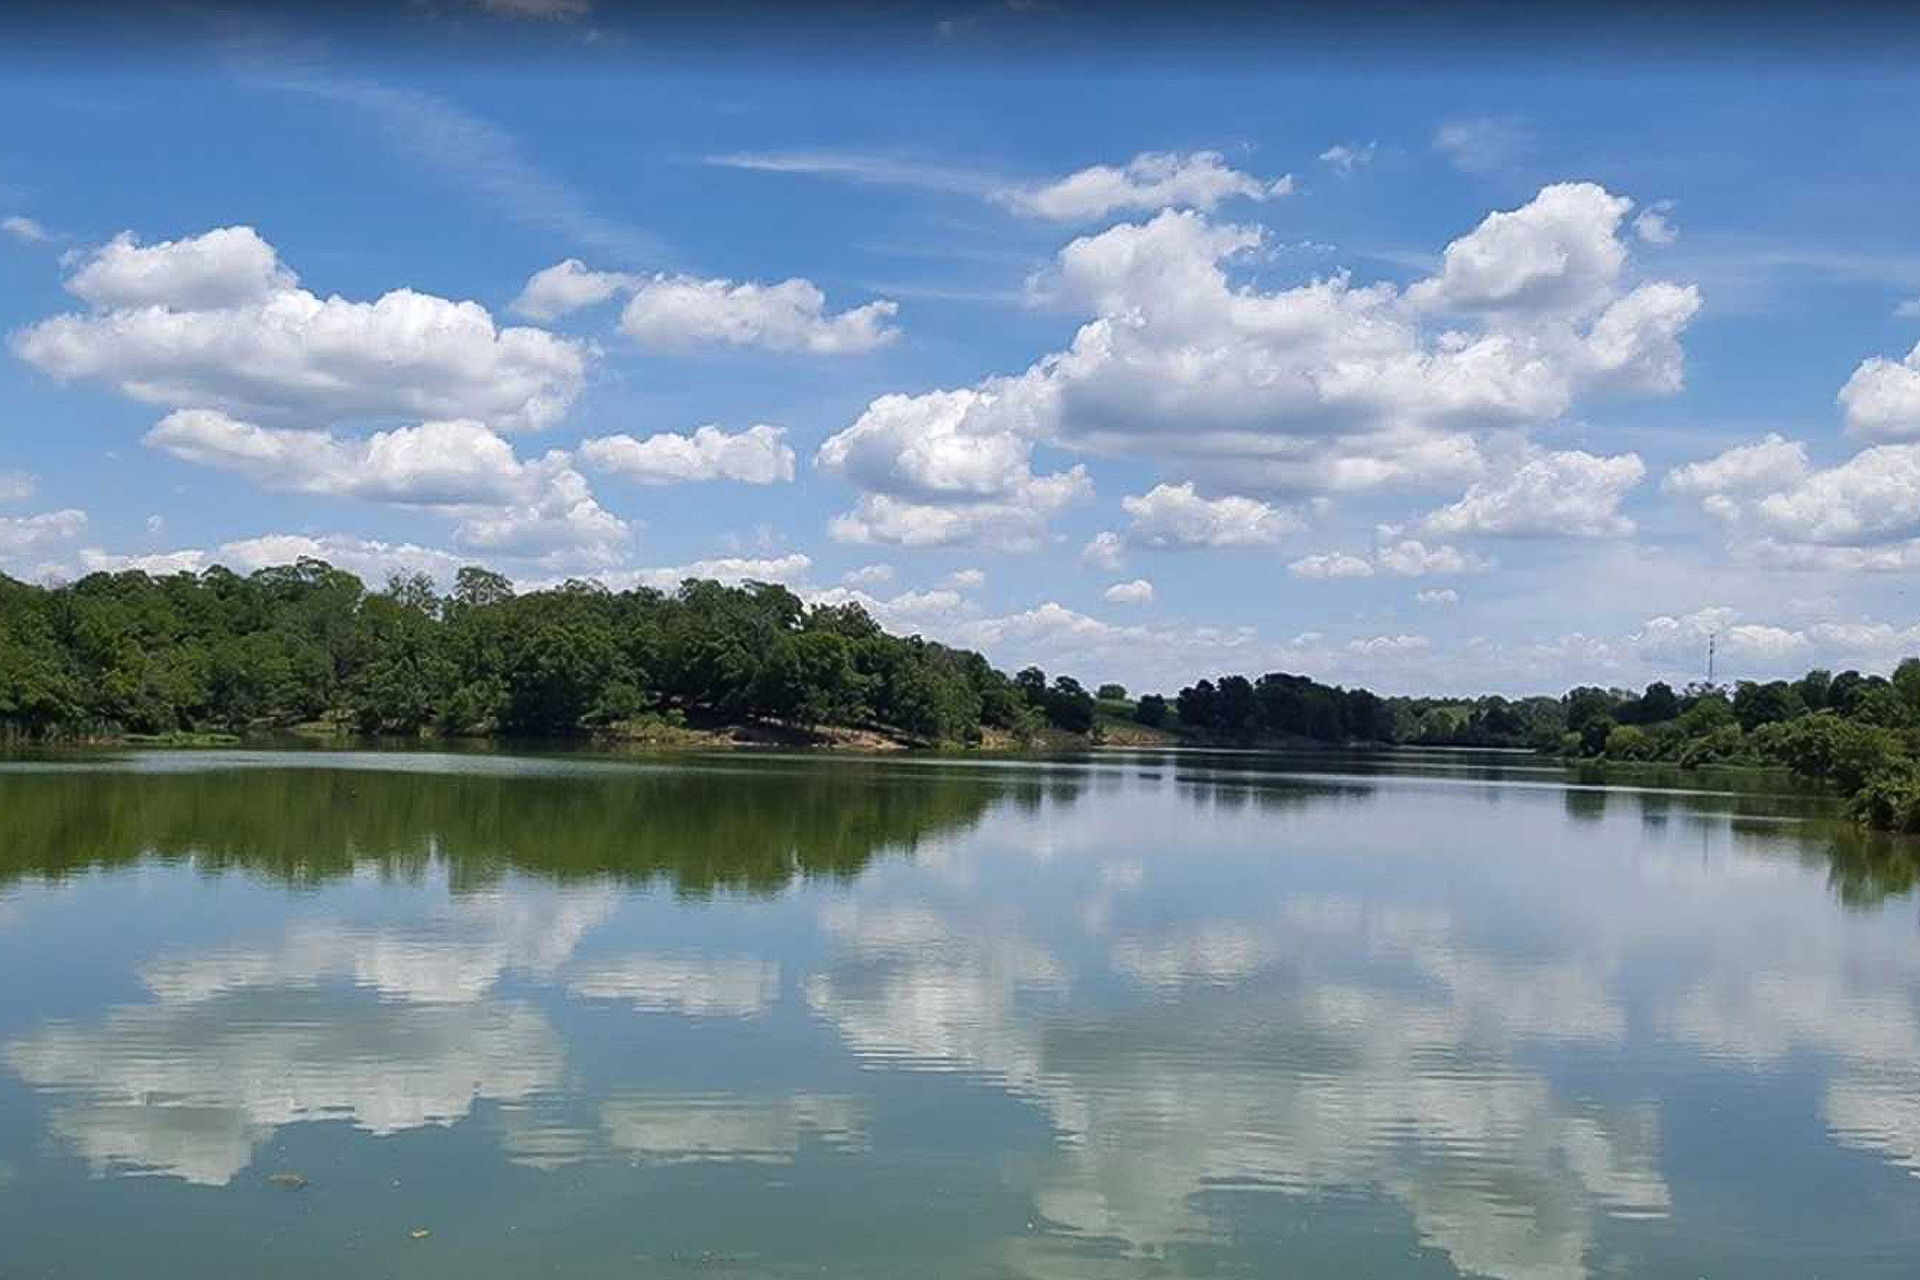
column 129, row 654
column 1859, row 734
column 117, row 654
column 1276, row 706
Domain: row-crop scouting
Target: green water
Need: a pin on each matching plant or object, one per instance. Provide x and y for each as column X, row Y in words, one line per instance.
column 1141, row 1015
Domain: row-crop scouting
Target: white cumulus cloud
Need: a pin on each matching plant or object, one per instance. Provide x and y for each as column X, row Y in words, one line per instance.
column 758, row 455
column 1138, row 591
column 966, row 579
column 1768, row 464
column 933, row 473
column 216, row 322
column 789, row 570
column 1014, row 521
column 24, row 535
column 1325, row 386
column 1654, row 224
column 1151, row 181
column 1882, row 398
column 567, row 287
column 1569, row 493
column 1176, row 516
column 372, row 560
column 1412, row 558
column 223, row 268
column 1332, row 564
column 1399, row 557
column 1104, row 550
column 1560, row 250
column 1873, row 497
column 868, row 575
column 790, row 316
column 503, row 503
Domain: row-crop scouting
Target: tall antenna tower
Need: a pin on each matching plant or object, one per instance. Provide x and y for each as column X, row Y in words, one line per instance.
column 1712, row 637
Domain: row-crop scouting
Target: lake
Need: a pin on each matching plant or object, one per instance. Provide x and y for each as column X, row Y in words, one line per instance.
column 1139, row 1014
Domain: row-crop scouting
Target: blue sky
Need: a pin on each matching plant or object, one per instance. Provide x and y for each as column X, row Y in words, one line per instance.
column 1471, row 374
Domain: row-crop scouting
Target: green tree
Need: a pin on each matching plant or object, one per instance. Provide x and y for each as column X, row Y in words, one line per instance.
column 1906, row 681
column 1813, row 688
column 1659, row 703
column 1757, row 704
column 1828, row 748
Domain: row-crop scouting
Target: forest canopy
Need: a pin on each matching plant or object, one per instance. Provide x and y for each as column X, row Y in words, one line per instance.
column 295, row 644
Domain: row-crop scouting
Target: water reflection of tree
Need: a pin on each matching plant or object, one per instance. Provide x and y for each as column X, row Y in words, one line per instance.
column 752, row 829
column 1866, row 868
column 1585, row 804
column 1233, row 784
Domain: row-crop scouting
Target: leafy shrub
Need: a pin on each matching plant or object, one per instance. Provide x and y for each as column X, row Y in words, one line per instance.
column 1890, row 799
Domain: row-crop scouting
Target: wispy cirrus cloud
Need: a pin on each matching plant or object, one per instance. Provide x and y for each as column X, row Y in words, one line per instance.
column 1483, row 144
column 1150, row 181
column 869, row 169
column 487, row 160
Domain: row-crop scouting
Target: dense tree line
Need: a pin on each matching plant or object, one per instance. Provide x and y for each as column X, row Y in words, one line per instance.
column 1276, row 706
column 1490, row 721
column 1858, row 733
column 217, row 651
column 125, row 653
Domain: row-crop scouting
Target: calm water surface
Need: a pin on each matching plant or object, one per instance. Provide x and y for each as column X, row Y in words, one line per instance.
column 1144, row 1015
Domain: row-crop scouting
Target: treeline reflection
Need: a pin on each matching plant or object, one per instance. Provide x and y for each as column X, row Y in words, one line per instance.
column 757, row 826
column 697, row 831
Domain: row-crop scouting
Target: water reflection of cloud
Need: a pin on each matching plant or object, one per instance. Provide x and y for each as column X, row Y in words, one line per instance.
column 1327, row 1045
column 672, row 1128
column 454, row 955
column 248, row 1036
column 916, row 992
column 191, row 1089
column 678, row 1126
column 1834, row 994
column 704, row 985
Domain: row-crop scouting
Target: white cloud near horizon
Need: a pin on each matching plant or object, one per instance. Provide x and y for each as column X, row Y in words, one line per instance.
column 1859, row 516
column 1394, row 556
column 502, row 502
